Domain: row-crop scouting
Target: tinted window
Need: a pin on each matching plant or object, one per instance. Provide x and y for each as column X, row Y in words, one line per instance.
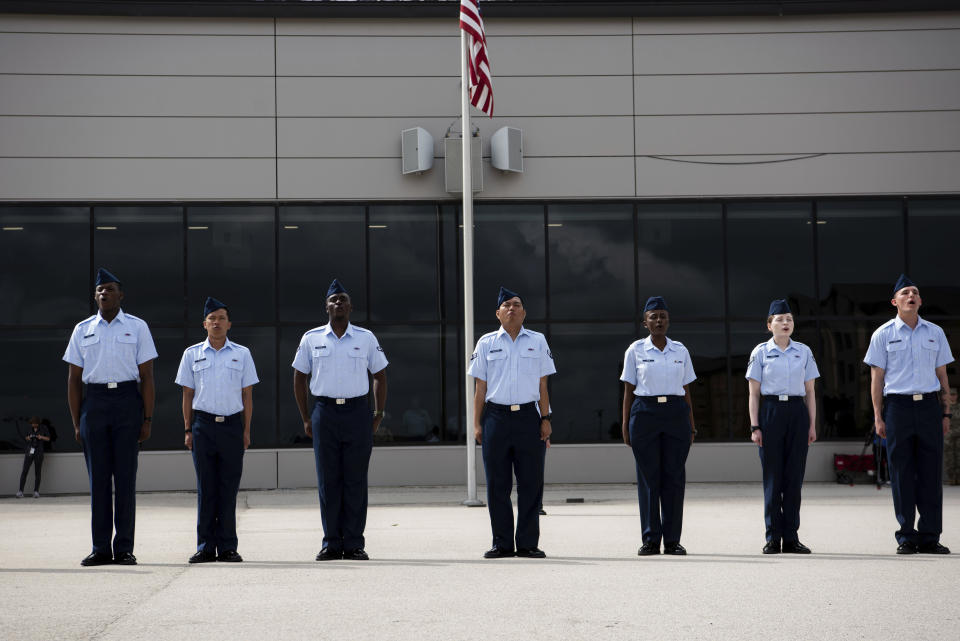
column 509, row 252
column 934, row 231
column 403, row 263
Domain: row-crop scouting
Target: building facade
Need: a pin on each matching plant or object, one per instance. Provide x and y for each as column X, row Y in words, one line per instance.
column 718, row 161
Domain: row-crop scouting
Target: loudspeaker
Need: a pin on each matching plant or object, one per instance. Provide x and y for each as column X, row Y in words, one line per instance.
column 416, row 150
column 453, row 165
column 506, row 149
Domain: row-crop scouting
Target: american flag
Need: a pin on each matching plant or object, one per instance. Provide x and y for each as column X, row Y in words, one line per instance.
column 481, row 85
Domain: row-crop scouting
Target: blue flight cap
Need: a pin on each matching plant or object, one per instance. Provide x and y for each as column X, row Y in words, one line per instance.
column 336, row 288
column 903, row 281
column 104, row 277
column 655, row 302
column 213, row 305
column 505, row 294
column 779, row 306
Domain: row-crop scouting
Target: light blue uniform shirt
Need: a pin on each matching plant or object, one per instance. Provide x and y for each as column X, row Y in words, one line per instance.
column 782, row 371
column 908, row 357
column 217, row 377
column 110, row 352
column 656, row 373
column 512, row 368
column 338, row 366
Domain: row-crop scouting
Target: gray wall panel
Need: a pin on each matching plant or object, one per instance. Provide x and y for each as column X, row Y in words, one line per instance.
column 135, row 96
column 437, row 56
column 136, row 179
column 797, row 52
column 773, row 24
column 136, row 54
column 141, row 137
column 356, row 178
column 840, row 174
column 380, row 137
column 797, row 93
column 439, row 97
column 798, row 133
column 124, row 24
column 447, row 27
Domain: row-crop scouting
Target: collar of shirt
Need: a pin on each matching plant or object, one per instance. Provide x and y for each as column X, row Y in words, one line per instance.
column 328, row 329
column 206, row 345
column 773, row 345
column 503, row 332
column 649, row 346
column 119, row 317
column 900, row 324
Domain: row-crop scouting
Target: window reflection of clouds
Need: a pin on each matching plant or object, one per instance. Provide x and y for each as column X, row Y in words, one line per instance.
column 934, row 235
column 403, row 263
column 680, row 257
column 509, row 251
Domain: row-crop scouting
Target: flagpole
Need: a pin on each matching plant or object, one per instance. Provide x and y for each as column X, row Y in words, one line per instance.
column 471, row 500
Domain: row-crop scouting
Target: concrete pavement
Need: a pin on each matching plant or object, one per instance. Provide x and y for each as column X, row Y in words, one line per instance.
column 427, row 580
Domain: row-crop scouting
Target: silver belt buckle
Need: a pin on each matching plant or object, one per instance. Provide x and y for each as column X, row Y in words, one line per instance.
column 918, row 397
column 661, row 399
column 111, row 386
column 219, row 419
column 514, row 408
column 341, row 401
column 783, row 397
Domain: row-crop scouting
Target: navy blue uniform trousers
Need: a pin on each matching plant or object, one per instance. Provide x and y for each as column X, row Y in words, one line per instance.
column 784, row 426
column 660, row 439
column 342, row 443
column 218, row 460
column 110, row 421
column 511, row 445
column 915, row 461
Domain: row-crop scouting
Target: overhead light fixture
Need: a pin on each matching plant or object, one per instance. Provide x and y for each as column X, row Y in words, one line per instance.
column 13, row 229
column 198, row 227
column 377, row 226
column 554, row 224
column 106, row 228
column 291, row 227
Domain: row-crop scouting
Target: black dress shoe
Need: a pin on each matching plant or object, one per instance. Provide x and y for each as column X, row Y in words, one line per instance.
column 531, row 553
column 498, row 553
column 203, row 556
column 356, row 555
column 795, row 547
column 649, row 549
column 230, row 556
column 933, row 548
column 907, row 547
column 772, row 547
column 326, row 554
column 675, row 549
column 125, row 558
column 543, row 512
column 97, row 558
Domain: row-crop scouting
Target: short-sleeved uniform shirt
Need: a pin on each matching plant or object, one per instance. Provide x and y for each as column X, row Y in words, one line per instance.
column 656, row 373
column 908, row 357
column 110, row 352
column 217, row 376
column 511, row 368
column 782, row 371
column 338, row 366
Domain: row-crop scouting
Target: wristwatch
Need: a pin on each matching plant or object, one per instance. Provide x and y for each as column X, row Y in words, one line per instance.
column 547, row 417
column 754, row 428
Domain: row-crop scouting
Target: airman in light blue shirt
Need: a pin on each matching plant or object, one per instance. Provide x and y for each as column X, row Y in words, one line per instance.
column 110, row 352
column 909, row 356
column 512, row 368
column 655, row 372
column 782, row 372
column 338, row 366
column 217, row 376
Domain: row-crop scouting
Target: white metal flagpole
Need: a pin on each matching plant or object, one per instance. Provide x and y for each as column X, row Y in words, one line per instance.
column 471, row 500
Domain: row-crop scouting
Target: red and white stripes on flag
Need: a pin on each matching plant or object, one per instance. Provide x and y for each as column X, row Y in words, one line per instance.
column 478, row 65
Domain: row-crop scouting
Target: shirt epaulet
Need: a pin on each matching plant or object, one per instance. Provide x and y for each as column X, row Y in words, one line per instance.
column 315, row 329
column 362, row 330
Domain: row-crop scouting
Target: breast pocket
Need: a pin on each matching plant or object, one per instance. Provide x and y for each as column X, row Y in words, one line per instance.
column 496, row 361
column 897, row 354
column 234, row 369
column 321, row 358
column 127, row 344
column 201, row 370
column 89, row 345
column 928, row 354
column 675, row 372
column 530, row 361
column 359, row 359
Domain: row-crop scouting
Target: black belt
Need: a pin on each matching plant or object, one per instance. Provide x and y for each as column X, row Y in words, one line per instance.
column 662, row 398
column 111, row 386
column 511, row 408
column 915, row 397
column 215, row 418
column 343, row 402
column 781, row 398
